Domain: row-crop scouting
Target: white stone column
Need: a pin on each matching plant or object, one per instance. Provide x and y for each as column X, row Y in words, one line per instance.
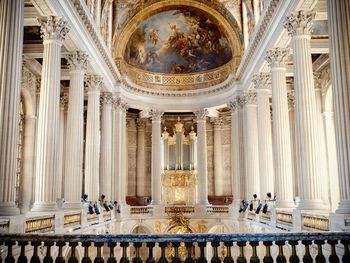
column 140, row 158
column 339, row 35
column 237, row 161
column 59, row 180
column 299, row 27
column 73, row 179
column 193, row 146
column 121, row 151
column 262, row 82
column 291, row 109
column 11, row 46
column 277, row 58
column 156, row 151
column 106, row 146
column 324, row 179
column 53, row 30
column 28, row 163
column 202, row 167
column 92, row 141
column 218, row 179
column 251, row 147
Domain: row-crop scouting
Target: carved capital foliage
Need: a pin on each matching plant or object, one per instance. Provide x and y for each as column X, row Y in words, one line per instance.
column 77, row 60
column 93, row 83
column 53, row 28
column 291, row 99
column 156, row 114
column 277, row 57
column 234, row 105
column 106, row 98
column 141, row 123
column 249, row 98
column 217, row 122
column 299, row 23
column 201, row 114
column 119, row 104
column 262, row 80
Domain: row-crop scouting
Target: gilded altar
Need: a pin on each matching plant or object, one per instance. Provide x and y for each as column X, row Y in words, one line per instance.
column 179, row 187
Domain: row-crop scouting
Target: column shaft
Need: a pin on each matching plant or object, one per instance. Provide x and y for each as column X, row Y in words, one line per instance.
column 75, row 131
column 202, row 167
column 339, row 38
column 11, row 28
column 307, row 139
column 46, row 167
column 140, row 159
column 92, row 141
column 251, row 145
column 156, row 163
column 106, row 147
column 218, row 178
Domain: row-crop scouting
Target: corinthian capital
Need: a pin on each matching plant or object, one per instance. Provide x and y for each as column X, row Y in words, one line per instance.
column 77, row 60
column 53, row 28
column 119, row 104
column 93, row 83
column 234, row 105
column 262, row 81
column 249, row 98
column 299, row 23
column 156, row 115
column 201, row 114
column 106, row 98
column 277, row 57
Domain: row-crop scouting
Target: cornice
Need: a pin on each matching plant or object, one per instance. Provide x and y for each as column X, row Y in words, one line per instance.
column 90, row 25
column 256, row 38
column 133, row 88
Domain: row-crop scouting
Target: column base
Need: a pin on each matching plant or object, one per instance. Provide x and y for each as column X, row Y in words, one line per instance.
column 343, row 207
column 8, row 209
column 311, row 205
column 44, row 206
column 285, row 204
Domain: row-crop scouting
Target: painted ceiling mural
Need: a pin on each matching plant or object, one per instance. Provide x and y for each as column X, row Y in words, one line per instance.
column 180, row 40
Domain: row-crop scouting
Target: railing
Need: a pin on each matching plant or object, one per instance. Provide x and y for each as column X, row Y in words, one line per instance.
column 329, row 246
column 140, row 210
column 179, row 209
column 218, row 209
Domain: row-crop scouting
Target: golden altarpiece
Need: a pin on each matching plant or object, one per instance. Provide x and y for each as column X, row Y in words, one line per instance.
column 179, row 176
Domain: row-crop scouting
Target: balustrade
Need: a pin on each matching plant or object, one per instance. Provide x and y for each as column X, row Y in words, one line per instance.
column 331, row 246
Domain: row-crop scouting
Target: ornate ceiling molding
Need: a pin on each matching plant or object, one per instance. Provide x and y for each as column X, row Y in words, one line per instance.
column 136, row 89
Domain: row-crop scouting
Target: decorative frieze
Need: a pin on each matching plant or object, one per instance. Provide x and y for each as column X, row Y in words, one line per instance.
column 299, row 23
column 53, row 28
column 277, row 57
column 77, row 60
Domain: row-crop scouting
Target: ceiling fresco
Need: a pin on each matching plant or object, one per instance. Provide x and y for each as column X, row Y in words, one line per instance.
column 178, row 41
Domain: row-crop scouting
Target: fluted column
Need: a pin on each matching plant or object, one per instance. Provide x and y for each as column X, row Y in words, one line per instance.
column 262, row 83
column 59, row 180
column 251, row 145
column 120, row 108
column 339, row 39
column 202, row 167
column 92, row 141
column 237, row 161
column 218, row 179
column 11, row 28
column 140, row 158
column 277, row 58
column 53, row 30
column 106, row 146
column 299, row 27
column 193, row 147
column 324, row 179
column 156, row 116
column 73, row 180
